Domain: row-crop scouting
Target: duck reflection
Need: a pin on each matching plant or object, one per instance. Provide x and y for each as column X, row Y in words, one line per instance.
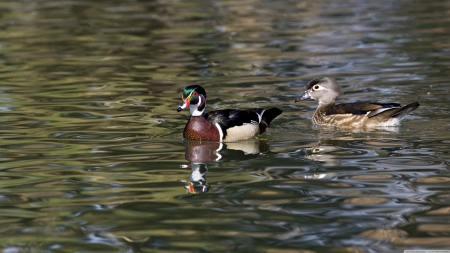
column 199, row 153
column 329, row 151
column 377, row 130
column 338, row 152
column 323, row 154
column 197, row 179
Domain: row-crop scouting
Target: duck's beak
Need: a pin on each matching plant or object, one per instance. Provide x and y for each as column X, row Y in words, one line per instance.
column 185, row 103
column 303, row 97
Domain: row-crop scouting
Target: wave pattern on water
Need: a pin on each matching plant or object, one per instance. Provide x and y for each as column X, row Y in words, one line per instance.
column 91, row 155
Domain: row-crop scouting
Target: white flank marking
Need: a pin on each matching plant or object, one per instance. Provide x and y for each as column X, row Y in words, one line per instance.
column 220, row 131
column 243, row 132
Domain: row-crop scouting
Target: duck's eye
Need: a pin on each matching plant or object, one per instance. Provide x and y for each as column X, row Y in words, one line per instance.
column 194, row 94
column 316, row 87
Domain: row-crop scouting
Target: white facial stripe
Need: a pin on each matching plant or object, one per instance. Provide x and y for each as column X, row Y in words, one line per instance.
column 188, row 98
column 191, row 94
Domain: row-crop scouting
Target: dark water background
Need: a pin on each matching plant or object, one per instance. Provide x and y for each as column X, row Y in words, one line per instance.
column 91, row 153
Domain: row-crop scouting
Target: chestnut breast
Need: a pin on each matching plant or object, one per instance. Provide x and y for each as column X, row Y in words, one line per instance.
column 198, row 128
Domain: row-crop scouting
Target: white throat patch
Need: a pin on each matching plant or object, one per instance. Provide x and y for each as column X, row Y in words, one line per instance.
column 193, row 108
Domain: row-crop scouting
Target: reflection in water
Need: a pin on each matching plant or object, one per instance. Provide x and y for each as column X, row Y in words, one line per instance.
column 202, row 151
column 332, row 151
column 197, row 179
column 378, row 129
column 322, row 154
column 199, row 153
column 82, row 79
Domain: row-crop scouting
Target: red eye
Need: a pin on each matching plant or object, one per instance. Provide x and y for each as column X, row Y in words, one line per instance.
column 195, row 94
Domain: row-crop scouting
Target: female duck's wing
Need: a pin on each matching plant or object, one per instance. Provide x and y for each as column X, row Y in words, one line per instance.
column 362, row 108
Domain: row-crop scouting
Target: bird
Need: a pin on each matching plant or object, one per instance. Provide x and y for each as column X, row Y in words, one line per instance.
column 226, row 125
column 351, row 115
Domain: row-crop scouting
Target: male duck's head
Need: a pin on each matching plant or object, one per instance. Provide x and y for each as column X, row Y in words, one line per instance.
column 194, row 97
column 324, row 89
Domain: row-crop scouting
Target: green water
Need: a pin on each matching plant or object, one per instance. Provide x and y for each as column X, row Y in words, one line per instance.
column 92, row 158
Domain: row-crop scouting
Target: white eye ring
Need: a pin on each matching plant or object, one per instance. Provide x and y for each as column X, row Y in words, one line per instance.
column 316, row 87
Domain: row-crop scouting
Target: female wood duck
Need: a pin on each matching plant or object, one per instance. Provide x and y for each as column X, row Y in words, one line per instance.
column 352, row 115
column 222, row 125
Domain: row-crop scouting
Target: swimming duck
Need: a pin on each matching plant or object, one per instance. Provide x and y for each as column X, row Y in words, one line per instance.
column 222, row 125
column 352, row 115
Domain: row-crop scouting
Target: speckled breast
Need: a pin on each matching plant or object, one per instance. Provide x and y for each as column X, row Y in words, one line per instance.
column 198, row 128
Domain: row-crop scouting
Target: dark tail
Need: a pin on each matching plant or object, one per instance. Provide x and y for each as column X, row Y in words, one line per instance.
column 405, row 110
column 267, row 117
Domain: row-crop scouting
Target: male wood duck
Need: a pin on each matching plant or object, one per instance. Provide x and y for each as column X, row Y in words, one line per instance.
column 351, row 115
column 222, row 125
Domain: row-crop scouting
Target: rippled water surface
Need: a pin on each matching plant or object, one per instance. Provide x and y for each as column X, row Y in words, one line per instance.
column 91, row 151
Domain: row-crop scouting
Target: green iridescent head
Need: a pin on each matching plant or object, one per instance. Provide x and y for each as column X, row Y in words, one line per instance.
column 191, row 95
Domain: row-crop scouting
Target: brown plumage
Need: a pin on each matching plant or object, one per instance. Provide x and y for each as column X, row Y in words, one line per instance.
column 352, row 115
column 198, row 128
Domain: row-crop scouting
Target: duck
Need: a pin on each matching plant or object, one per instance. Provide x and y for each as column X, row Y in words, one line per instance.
column 351, row 115
column 225, row 125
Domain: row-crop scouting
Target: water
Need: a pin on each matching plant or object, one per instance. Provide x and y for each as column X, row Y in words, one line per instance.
column 91, row 153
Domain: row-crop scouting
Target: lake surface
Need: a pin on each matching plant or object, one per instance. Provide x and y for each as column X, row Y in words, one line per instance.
column 91, row 151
